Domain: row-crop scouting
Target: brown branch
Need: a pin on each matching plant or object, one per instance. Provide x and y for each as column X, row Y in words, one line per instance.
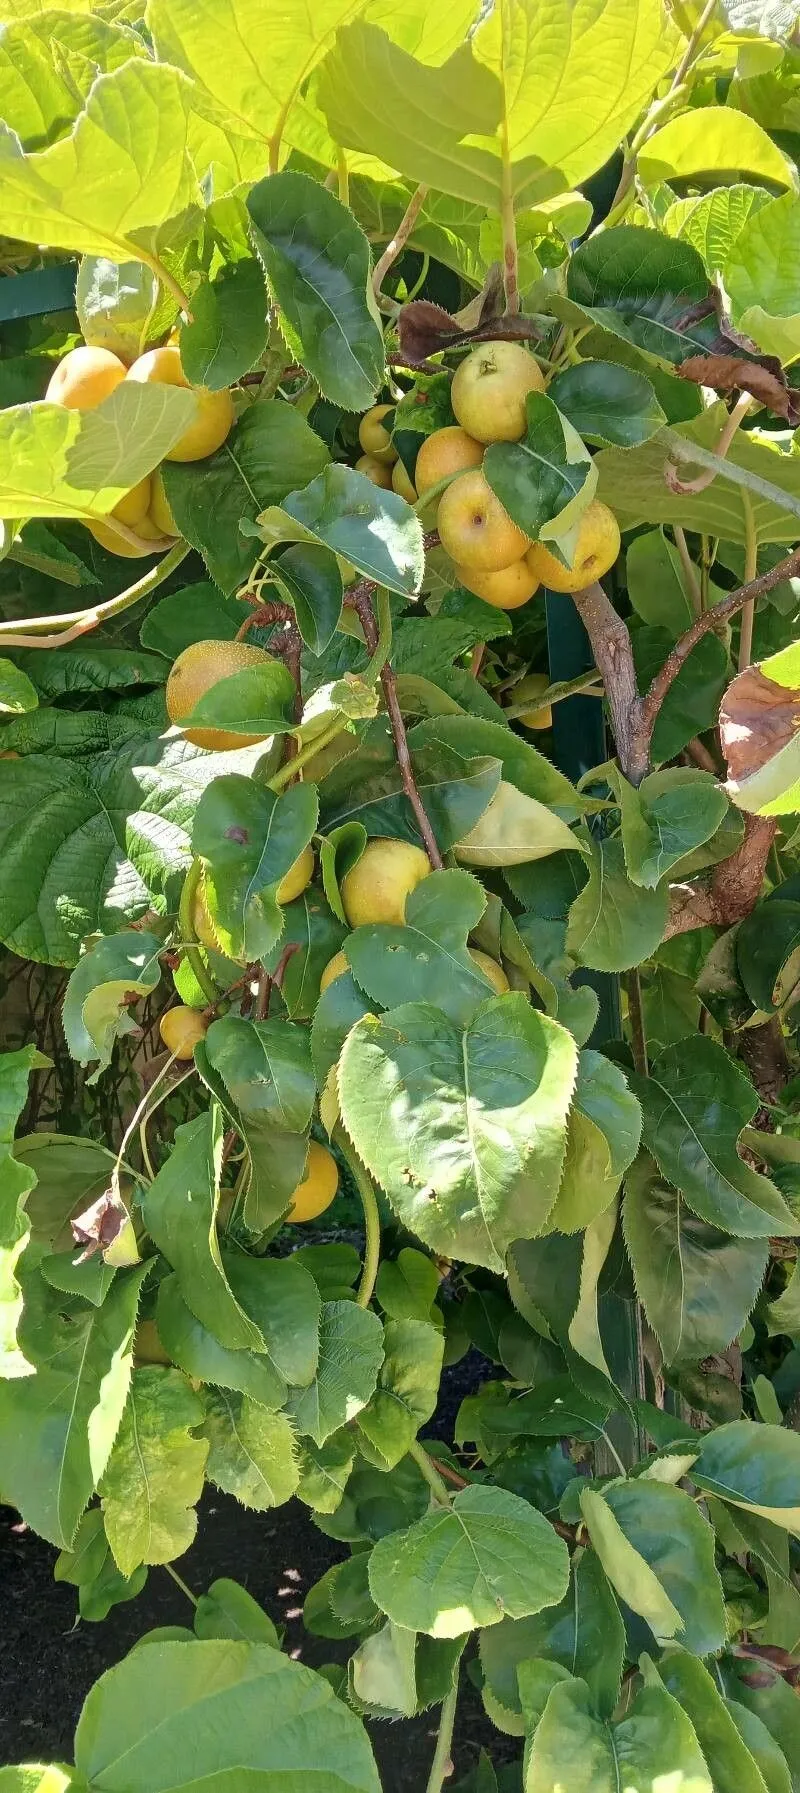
column 613, row 655
column 361, row 599
column 711, row 619
column 399, row 240
column 734, row 889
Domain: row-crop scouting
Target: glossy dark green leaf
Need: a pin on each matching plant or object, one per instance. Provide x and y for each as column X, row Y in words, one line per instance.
column 263, row 1074
column 697, row 1284
column 428, row 1106
column 607, row 404
column 318, row 265
column 646, row 288
column 338, row 1009
column 426, row 960
column 753, row 1466
column 270, row 451
column 670, row 815
column 312, row 927
column 695, row 1103
column 229, row 328
column 248, row 838
column 310, row 578
column 196, row 613
column 614, row 924
column 547, row 475
column 765, row 943
column 342, row 510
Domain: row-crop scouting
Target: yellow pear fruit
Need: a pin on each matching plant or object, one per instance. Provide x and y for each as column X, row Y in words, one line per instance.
column 298, row 877
column 447, row 451
column 84, row 378
column 402, row 484
column 474, row 529
column 197, row 670
column 491, row 970
column 533, row 686
column 490, row 388
column 374, row 436
column 379, row 472
column 596, row 551
column 160, row 513
column 377, row 887
column 318, row 1188
column 336, row 967
column 504, row 590
column 180, row 1029
column 215, row 413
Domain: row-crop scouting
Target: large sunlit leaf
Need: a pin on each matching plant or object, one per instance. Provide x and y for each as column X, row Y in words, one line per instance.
column 695, row 1103
column 261, row 1073
column 58, row 1425
column 154, row 1476
column 697, row 1285
column 318, row 265
column 466, row 1131
column 55, row 462
column 173, row 1713
column 713, row 140
column 122, row 171
column 632, row 482
column 584, row 1633
column 607, row 404
column 488, row 1555
column 761, row 277
column 653, row 1745
column 47, row 66
column 694, row 1686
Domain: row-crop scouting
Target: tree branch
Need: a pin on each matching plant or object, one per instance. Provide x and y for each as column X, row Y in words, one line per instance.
column 711, row 619
column 361, row 599
column 613, row 655
column 399, row 240
column 734, row 889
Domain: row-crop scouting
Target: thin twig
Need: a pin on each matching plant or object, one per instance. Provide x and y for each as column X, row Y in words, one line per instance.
column 79, row 622
column 442, row 1767
column 431, row 1474
column 750, row 570
column 711, row 619
column 397, row 243
column 693, row 591
column 361, row 599
column 726, row 436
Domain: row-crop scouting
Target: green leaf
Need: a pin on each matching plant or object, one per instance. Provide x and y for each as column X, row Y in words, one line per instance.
column 712, row 222
column 765, row 944
column 367, row 788
column 407, row 1286
column 407, row 1391
column 109, row 832
column 318, row 265
column 196, row 613
column 584, row 1633
column 547, row 478
column 47, row 66
column 603, row 1135
column 196, row 1351
column 613, row 923
column 655, row 583
column 325, row 1471
column 487, row 1555
column 761, row 279
column 712, row 140
column 229, row 330
column 154, row 1476
column 774, row 1702
column 248, row 838
column 262, row 1073
column 672, row 813
column 282, row 1299
column 119, row 304
column 769, row 1759
column 382, row 1677
column 179, row 1210
column 350, row 1357
column 695, row 1103
column 16, row 1182
column 17, row 694
column 57, row 1427
column 697, row 1285
column 251, row 1451
column 466, row 1132
column 112, row 974
column 692, row 702
column 310, row 578
column 257, row 700
column 632, row 481
column 270, row 451
column 607, row 404
column 756, row 1467
column 531, row 772
column 427, row 959
column 642, row 286
column 119, row 174
column 664, row 1526
column 310, row 925
column 654, row 1743
column 343, row 511
column 55, row 462
column 227, row 1610
column 728, row 1757
column 627, row 1569
column 223, row 1709
column 513, row 830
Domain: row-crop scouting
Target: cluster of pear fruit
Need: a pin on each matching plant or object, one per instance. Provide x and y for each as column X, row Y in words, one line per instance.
column 376, row 889
column 492, row 557
column 85, row 377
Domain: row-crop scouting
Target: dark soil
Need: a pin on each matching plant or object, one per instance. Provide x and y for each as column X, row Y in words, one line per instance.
column 50, row 1660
